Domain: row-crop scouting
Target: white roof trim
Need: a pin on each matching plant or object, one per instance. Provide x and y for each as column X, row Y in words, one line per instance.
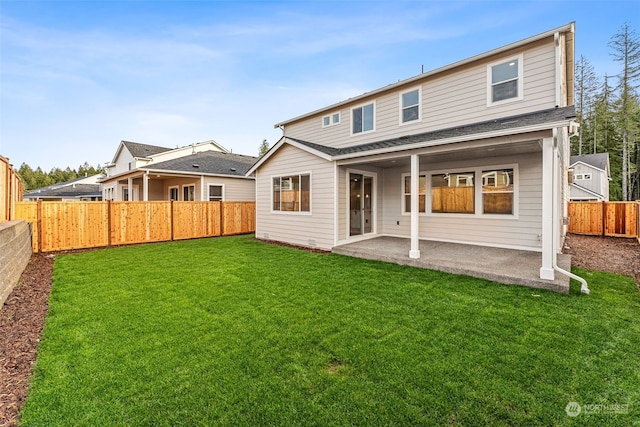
column 588, row 165
column 586, row 190
column 570, row 27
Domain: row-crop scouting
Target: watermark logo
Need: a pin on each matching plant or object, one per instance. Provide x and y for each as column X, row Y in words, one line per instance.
column 573, row 409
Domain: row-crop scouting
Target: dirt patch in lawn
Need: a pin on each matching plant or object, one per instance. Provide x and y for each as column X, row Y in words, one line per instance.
column 23, row 315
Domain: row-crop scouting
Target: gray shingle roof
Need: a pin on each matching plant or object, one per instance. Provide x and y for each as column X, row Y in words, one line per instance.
column 512, row 122
column 598, row 160
column 143, row 150
column 208, row 162
column 74, row 190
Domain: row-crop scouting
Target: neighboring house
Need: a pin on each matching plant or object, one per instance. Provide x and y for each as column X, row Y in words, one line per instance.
column 84, row 189
column 591, row 176
column 475, row 152
column 200, row 172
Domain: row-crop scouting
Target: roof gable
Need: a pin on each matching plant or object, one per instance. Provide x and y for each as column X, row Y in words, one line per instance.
column 598, row 161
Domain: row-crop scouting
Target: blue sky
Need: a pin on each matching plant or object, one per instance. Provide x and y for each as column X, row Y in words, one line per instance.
column 77, row 77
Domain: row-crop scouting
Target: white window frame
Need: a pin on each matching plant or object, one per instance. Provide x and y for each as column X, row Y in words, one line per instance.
column 177, row 188
column 299, row 174
column 477, row 196
column 403, row 194
column 194, row 192
column 520, row 97
column 209, row 192
column 362, row 132
column 583, row 177
column 401, row 108
column 331, row 118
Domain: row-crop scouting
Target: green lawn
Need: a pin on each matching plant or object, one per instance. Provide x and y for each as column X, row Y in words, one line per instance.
column 234, row 331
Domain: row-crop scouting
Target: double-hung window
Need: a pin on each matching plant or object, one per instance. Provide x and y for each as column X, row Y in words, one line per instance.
column 215, row 193
column 505, row 81
column 363, row 119
column 292, row 193
column 189, row 193
column 422, row 191
column 410, row 106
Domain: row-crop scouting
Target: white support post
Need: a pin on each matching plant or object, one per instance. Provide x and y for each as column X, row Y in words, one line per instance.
column 145, row 187
column 548, row 246
column 130, row 188
column 415, row 219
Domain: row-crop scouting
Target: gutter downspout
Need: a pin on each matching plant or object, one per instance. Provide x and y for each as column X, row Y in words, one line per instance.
column 584, row 288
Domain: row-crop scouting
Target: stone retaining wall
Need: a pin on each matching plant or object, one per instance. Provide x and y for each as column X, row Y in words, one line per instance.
column 15, row 252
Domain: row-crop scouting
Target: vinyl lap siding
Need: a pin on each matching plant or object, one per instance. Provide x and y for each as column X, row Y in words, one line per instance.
column 235, row 189
column 452, row 99
column 297, row 228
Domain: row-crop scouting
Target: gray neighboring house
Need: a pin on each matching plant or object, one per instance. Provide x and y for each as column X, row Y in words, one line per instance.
column 84, row 189
column 591, row 176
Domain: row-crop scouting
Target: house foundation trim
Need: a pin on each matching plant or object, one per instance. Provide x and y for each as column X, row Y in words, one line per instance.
column 414, row 253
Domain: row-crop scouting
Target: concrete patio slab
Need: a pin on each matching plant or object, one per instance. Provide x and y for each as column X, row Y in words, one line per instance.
column 509, row 266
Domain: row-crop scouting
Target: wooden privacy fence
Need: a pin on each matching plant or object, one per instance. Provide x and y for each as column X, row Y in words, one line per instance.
column 11, row 189
column 617, row 219
column 60, row 226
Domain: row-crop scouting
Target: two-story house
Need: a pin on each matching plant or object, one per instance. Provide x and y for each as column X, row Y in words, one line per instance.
column 475, row 152
column 205, row 171
column 591, row 177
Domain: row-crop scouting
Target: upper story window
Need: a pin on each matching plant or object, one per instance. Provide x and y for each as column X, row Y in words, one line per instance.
column 505, row 81
column 410, row 106
column 292, row 193
column 330, row 120
column 363, row 118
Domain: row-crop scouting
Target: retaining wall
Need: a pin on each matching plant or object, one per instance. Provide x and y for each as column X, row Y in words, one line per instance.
column 15, row 252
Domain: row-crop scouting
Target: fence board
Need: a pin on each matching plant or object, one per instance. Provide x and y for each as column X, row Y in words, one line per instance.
column 586, row 218
column 28, row 211
column 616, row 219
column 74, row 225
column 196, row 219
column 238, row 218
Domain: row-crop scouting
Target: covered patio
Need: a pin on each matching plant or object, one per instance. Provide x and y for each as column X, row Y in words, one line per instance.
column 508, row 266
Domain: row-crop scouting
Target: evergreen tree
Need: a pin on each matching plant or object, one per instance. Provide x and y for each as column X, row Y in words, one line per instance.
column 586, row 88
column 264, row 147
column 626, row 49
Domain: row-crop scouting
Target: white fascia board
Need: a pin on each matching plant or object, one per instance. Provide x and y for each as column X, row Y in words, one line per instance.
column 453, row 140
column 551, row 33
column 586, row 190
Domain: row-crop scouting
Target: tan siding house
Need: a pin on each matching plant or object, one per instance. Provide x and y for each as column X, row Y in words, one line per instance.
column 199, row 172
column 475, row 152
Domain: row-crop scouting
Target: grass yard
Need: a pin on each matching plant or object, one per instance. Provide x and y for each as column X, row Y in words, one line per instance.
column 234, row 331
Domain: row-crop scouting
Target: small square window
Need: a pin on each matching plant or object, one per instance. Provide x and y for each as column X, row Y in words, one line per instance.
column 330, row 120
column 215, row 193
